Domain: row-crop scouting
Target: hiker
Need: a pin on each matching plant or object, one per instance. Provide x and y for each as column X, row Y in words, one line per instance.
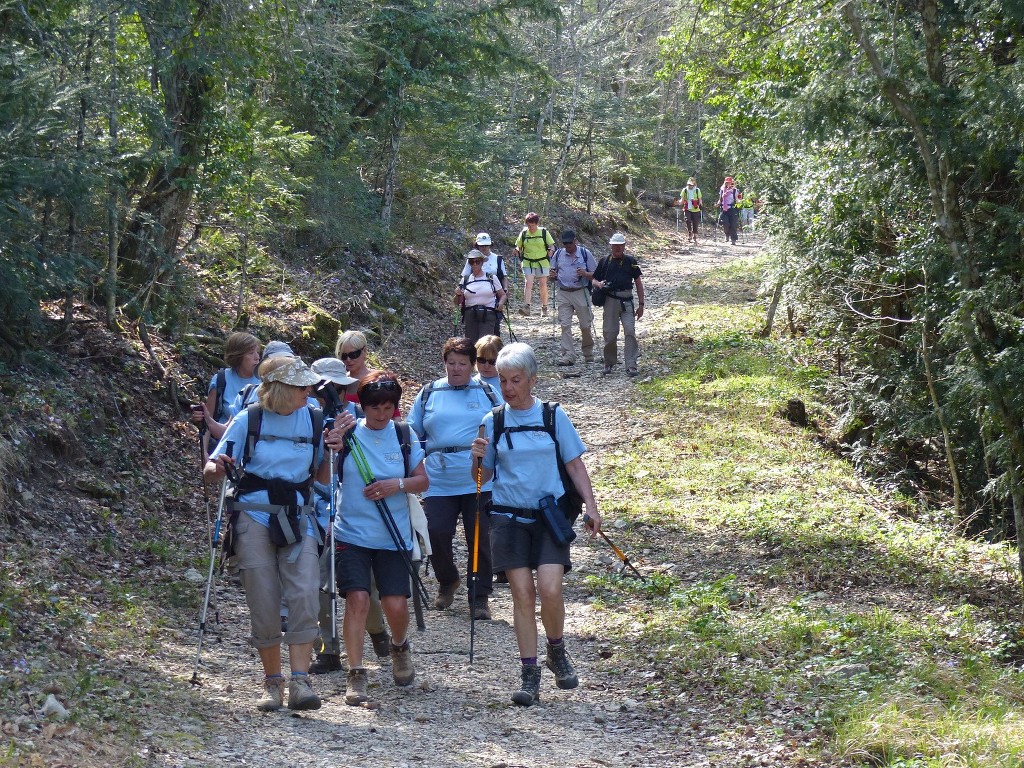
column 487, row 349
column 276, row 475
column 334, row 378
column 481, row 297
column 572, row 267
column 365, row 548
column 525, row 471
column 616, row 274
column 535, row 246
column 745, row 206
column 241, row 356
column 351, row 348
column 493, row 265
column 446, row 415
column 249, row 394
column 727, row 201
column 691, row 200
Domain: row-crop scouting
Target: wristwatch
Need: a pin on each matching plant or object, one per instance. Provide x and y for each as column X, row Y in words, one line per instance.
column 401, row 483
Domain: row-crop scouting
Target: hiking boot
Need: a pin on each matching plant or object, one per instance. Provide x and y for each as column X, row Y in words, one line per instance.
column 567, row 361
column 482, row 609
column 325, row 662
column 381, row 642
column 401, row 664
column 607, row 370
column 529, row 689
column 301, row 695
column 632, row 372
column 273, row 694
column 500, row 578
column 559, row 663
column 588, row 359
column 445, row 595
column 355, row 687
column 525, row 310
column 544, row 311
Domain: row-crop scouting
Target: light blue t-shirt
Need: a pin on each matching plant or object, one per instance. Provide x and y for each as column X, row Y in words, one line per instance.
column 280, row 459
column 359, row 521
column 495, row 382
column 234, row 384
column 450, row 419
column 528, row 471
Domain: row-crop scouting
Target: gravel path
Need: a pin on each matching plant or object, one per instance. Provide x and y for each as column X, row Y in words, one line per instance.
column 457, row 714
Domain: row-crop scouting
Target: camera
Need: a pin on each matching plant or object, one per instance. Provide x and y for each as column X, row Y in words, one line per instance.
column 196, row 408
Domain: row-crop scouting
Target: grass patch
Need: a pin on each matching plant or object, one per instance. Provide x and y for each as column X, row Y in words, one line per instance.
column 783, row 544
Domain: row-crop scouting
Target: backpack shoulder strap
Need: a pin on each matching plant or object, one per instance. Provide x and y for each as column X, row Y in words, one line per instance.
column 316, row 416
column 254, row 416
column 404, row 442
column 489, row 391
column 220, row 386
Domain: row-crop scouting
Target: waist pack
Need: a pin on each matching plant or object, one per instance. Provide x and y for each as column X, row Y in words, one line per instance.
column 598, row 295
column 555, row 521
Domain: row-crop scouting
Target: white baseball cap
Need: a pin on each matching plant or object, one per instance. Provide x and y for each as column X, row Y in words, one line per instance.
column 483, row 239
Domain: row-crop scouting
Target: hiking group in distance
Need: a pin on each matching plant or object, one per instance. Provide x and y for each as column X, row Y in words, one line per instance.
column 327, row 493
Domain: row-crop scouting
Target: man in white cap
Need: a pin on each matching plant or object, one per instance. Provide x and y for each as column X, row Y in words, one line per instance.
column 616, row 274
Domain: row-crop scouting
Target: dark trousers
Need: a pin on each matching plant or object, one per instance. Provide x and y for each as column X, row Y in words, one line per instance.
column 479, row 321
column 730, row 219
column 692, row 222
column 443, row 514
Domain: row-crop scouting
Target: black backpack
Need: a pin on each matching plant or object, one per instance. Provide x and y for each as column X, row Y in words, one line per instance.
column 572, row 503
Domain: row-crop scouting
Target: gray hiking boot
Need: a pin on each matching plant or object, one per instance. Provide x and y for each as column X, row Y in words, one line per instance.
column 355, row 687
column 273, row 694
column 401, row 664
column 301, row 695
column 381, row 642
column 529, row 690
column 482, row 609
column 445, row 596
column 560, row 664
column 325, row 663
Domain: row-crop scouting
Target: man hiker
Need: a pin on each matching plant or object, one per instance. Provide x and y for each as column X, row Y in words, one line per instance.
column 535, row 245
column 573, row 267
column 690, row 199
column 617, row 273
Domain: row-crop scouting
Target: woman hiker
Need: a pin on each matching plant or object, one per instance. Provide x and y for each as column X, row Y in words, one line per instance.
column 523, row 464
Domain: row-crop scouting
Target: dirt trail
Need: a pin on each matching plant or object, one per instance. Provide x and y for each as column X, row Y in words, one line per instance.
column 457, row 715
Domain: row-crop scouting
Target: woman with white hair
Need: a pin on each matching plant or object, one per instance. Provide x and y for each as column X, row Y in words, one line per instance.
column 523, row 460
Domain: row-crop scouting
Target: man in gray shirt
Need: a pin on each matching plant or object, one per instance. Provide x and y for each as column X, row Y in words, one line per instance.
column 572, row 267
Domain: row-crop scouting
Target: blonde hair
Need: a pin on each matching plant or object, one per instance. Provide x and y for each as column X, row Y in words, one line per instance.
column 489, row 346
column 237, row 346
column 276, row 396
column 356, row 339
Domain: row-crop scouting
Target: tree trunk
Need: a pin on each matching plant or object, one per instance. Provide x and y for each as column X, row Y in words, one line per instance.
column 110, row 286
column 391, row 176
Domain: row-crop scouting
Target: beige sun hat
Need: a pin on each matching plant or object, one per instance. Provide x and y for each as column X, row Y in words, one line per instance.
column 332, row 369
column 296, row 373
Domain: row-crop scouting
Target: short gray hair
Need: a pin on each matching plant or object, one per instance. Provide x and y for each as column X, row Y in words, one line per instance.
column 517, row 357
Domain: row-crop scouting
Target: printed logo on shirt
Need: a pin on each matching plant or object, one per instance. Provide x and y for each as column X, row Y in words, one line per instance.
column 473, row 406
column 393, row 457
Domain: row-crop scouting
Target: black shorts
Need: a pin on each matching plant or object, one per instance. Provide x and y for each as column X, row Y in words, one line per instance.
column 524, row 545
column 353, row 565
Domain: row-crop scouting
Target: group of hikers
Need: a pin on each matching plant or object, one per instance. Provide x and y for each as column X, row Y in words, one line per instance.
column 580, row 280
column 321, row 483
column 736, row 210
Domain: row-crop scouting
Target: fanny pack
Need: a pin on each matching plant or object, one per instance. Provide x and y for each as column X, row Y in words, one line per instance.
column 555, row 521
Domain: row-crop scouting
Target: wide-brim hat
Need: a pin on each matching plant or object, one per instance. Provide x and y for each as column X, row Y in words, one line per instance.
column 617, row 239
column 475, row 254
column 333, row 370
column 296, row 373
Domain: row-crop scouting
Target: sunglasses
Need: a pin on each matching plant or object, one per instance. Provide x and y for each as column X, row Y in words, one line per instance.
column 486, row 361
column 387, row 385
column 352, row 355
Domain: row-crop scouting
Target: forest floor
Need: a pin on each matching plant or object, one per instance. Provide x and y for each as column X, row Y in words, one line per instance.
column 792, row 613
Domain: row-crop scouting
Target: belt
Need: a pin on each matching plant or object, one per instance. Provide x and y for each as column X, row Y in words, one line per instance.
column 527, row 515
column 570, row 290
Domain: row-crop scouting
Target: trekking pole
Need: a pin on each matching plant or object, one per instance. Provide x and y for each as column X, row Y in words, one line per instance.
column 625, row 560
column 329, row 425
column 511, row 333
column 214, row 542
column 476, row 552
column 389, row 521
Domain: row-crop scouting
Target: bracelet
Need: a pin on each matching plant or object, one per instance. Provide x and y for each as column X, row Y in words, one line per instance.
column 401, row 483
